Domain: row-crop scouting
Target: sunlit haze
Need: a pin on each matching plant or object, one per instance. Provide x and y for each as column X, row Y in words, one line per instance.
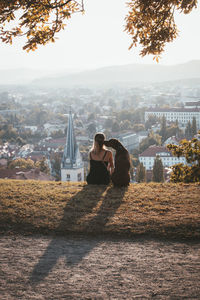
column 97, row 39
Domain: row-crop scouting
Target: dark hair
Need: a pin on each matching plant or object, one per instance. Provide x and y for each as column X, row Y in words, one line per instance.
column 100, row 138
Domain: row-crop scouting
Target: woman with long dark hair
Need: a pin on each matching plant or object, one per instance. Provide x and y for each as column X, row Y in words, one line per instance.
column 101, row 162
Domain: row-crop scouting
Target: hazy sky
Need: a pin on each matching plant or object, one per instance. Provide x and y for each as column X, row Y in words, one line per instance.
column 97, row 39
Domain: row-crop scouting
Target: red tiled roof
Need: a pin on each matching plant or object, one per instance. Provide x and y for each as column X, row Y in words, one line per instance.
column 152, row 151
column 60, row 140
column 33, row 174
column 3, row 162
column 7, row 173
column 35, row 157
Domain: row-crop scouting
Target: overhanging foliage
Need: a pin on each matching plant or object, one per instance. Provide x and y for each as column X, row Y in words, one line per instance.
column 150, row 23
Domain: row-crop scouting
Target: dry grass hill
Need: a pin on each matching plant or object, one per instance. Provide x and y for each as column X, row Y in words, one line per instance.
column 151, row 210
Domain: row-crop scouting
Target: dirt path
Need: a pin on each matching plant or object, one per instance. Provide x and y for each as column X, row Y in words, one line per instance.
column 79, row 268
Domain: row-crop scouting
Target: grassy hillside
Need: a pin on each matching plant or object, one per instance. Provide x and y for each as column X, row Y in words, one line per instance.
column 158, row 210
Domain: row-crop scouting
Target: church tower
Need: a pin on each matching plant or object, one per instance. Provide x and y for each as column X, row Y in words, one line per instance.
column 72, row 168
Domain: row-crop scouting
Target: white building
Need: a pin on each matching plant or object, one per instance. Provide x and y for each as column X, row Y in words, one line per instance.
column 192, row 104
column 129, row 140
column 31, row 128
column 71, row 165
column 25, row 150
column 171, row 140
column 50, row 127
column 182, row 115
column 148, row 156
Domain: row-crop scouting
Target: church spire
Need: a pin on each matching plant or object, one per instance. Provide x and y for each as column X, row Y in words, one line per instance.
column 69, row 156
column 72, row 167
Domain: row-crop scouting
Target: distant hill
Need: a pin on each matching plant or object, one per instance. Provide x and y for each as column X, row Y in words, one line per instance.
column 124, row 75
column 22, row 76
column 18, row 76
column 189, row 82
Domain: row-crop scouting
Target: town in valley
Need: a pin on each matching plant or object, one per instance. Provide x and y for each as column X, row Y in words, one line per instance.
column 41, row 125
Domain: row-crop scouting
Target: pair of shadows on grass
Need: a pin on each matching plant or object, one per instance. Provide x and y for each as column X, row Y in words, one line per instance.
column 74, row 249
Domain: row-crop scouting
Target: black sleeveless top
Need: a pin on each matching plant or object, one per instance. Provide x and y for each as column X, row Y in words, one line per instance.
column 98, row 173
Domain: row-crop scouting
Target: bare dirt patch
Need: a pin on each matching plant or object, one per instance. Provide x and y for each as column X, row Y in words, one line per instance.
column 37, row 267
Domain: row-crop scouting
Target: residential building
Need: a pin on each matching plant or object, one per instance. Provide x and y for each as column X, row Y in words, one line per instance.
column 148, row 156
column 25, row 151
column 197, row 136
column 19, row 174
column 192, row 104
column 51, row 144
column 171, row 140
column 72, row 168
column 182, row 115
column 129, row 140
column 33, row 129
column 52, row 127
column 8, row 150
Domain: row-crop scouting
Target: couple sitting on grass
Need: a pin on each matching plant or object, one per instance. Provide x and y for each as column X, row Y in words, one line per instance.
column 102, row 169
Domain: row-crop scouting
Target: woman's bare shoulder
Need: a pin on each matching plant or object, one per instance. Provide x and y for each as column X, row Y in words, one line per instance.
column 90, row 152
column 108, row 152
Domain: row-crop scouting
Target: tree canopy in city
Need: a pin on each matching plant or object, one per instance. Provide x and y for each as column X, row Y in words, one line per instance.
column 150, row 23
column 191, row 151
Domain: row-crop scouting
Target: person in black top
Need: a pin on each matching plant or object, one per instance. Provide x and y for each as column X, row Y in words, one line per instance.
column 101, row 162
